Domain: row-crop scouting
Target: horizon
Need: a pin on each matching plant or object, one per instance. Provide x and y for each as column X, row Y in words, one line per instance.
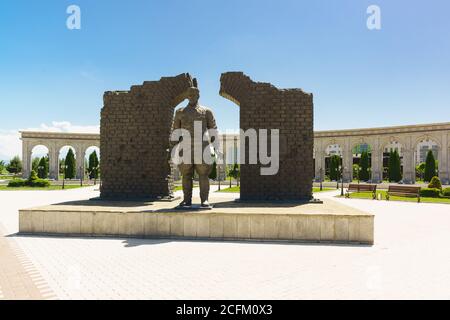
column 54, row 78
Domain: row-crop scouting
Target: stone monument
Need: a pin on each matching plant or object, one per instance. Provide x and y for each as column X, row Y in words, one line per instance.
column 134, row 139
column 263, row 106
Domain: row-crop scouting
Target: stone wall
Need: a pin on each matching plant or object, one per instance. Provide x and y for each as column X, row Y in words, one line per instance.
column 263, row 106
column 134, row 137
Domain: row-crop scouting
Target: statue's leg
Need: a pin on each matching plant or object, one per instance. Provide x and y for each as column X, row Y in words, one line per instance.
column 203, row 171
column 187, row 171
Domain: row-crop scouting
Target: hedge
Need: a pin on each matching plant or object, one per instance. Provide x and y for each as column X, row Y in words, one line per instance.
column 430, row 192
column 446, row 192
column 16, row 183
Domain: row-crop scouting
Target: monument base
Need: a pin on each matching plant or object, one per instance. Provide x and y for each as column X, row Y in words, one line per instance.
column 329, row 222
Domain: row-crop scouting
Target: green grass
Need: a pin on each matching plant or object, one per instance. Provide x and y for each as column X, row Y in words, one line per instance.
column 50, row 188
column 238, row 189
column 232, row 189
column 315, row 190
column 179, row 188
column 368, row 195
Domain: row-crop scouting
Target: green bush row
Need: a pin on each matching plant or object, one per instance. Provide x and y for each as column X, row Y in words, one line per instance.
column 37, row 183
column 446, row 192
column 32, row 181
column 430, row 192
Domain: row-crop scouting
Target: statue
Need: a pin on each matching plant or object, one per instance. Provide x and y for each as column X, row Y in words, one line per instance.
column 185, row 118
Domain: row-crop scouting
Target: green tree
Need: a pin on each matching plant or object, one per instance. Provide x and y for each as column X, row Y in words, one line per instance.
column 420, row 170
column 2, row 166
column 364, row 167
column 335, row 162
column 435, row 183
column 71, row 169
column 42, row 171
column 213, row 174
column 93, row 165
column 15, row 165
column 430, row 167
column 394, row 169
column 61, row 165
column 35, row 164
column 234, row 172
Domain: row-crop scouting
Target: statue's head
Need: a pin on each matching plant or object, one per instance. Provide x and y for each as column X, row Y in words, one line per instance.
column 193, row 94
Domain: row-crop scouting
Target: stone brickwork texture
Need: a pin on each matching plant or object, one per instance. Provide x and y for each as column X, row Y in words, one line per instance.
column 135, row 129
column 263, row 106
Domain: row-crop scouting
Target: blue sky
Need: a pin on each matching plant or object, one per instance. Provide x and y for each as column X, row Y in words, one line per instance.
column 360, row 78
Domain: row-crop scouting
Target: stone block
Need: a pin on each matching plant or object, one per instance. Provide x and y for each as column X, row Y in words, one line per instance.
column 230, row 229
column 327, row 228
column 37, row 222
column 86, row 223
column 25, row 221
column 256, row 227
column 131, row 223
column 106, row 223
column 177, row 225
column 243, row 226
column 341, row 229
column 163, row 225
column 203, row 226
column 313, row 227
column 190, row 225
column 299, row 225
column 216, row 226
column 150, row 224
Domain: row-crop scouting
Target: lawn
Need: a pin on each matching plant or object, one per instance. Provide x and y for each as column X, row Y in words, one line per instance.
column 232, row 189
column 368, row 195
column 315, row 190
column 179, row 188
column 53, row 187
column 238, row 189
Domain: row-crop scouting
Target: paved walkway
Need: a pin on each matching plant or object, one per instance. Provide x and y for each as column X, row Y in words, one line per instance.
column 410, row 259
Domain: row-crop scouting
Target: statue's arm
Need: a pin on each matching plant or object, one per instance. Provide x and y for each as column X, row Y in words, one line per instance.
column 176, row 124
column 210, row 121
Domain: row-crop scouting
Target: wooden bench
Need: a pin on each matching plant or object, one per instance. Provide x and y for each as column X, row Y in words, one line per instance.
column 408, row 191
column 356, row 187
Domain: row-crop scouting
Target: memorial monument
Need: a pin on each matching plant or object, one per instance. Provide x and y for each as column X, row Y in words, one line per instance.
column 136, row 139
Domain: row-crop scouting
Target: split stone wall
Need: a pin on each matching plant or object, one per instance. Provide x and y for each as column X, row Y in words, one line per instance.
column 134, row 137
column 263, row 106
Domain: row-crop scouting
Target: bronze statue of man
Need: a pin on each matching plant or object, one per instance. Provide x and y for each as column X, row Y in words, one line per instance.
column 185, row 118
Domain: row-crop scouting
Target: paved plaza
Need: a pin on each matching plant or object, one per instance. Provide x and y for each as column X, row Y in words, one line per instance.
column 410, row 259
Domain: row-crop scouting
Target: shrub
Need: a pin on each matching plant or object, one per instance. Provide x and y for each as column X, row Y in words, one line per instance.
column 446, row 192
column 33, row 176
column 32, row 181
column 16, row 183
column 430, row 192
column 435, row 183
column 38, row 183
column 430, row 166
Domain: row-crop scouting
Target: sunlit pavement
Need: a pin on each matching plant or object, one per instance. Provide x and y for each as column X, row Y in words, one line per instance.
column 410, row 259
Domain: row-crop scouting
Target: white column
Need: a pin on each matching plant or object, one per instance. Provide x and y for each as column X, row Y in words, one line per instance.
column 347, row 162
column 53, row 154
column 319, row 165
column 26, row 159
column 377, row 164
column 444, row 172
column 80, row 153
column 409, row 169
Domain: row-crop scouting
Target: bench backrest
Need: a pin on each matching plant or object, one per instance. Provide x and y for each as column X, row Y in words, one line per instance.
column 362, row 187
column 404, row 189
